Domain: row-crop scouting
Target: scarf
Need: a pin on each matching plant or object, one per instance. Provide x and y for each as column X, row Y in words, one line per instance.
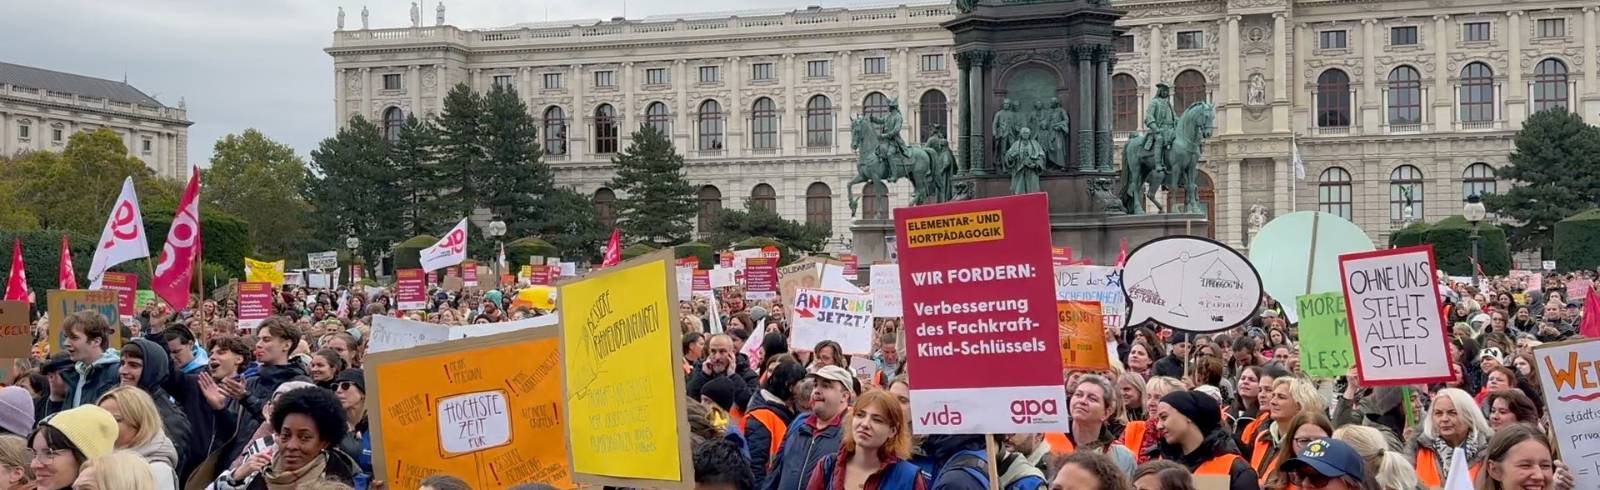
column 1153, row 434
column 291, row 480
column 1446, row 454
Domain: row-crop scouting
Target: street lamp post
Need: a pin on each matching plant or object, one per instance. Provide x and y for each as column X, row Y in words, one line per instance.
column 496, row 229
column 353, row 244
column 1474, row 212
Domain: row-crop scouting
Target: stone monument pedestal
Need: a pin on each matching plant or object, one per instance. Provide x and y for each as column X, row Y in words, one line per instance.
column 872, row 240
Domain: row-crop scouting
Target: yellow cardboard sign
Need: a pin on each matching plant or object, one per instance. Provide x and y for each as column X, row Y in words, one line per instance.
column 627, row 421
column 950, row 229
column 263, row 271
column 65, row 302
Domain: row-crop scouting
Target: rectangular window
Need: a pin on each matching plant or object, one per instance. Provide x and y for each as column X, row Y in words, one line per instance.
column 55, row 135
column 655, row 76
column 1475, row 32
column 933, row 62
column 710, row 74
column 605, row 78
column 817, row 69
column 23, row 130
column 1123, row 44
column 391, row 81
column 145, row 146
column 1191, row 40
column 761, row 71
column 552, row 81
column 1552, row 27
column 1332, row 40
column 1403, row 36
column 876, row 65
column 502, row 81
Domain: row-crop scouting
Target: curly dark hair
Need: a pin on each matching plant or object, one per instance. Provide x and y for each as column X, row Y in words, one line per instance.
column 719, row 462
column 318, row 403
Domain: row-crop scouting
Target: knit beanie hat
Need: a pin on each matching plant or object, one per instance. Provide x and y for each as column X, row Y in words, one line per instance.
column 1198, row 407
column 353, row 376
column 16, row 411
column 757, row 313
column 723, row 390
column 91, row 428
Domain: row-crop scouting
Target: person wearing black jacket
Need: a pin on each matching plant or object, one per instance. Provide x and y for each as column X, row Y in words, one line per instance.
column 145, row 365
column 1196, row 439
column 1172, row 365
column 952, row 454
column 723, row 359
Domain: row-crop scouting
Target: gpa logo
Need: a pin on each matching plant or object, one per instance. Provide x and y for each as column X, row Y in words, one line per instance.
column 945, row 416
column 1030, row 411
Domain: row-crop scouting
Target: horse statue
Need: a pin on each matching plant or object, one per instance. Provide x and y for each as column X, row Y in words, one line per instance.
column 1141, row 179
column 930, row 168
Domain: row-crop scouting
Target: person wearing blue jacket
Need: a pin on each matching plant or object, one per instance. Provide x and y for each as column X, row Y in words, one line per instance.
column 94, row 371
column 814, row 434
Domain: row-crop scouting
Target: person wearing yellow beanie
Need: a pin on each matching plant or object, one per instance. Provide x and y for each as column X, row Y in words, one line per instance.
column 65, row 440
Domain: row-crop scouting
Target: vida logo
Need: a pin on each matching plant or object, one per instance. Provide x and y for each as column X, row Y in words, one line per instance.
column 945, row 416
column 1023, row 411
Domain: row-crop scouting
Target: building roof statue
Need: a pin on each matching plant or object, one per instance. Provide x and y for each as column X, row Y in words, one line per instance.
column 340, row 25
column 438, row 19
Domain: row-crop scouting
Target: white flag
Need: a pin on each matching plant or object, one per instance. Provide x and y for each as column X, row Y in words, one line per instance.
column 451, row 250
column 752, row 346
column 123, row 238
column 1460, row 476
column 1299, row 163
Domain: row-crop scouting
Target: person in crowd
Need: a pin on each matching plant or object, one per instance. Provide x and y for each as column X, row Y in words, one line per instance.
column 16, row 411
column 815, row 434
column 1524, row 364
column 875, row 452
column 348, row 347
column 1162, row 475
column 1454, row 423
column 1030, row 449
column 769, row 412
column 1388, row 468
column 326, row 364
column 96, row 363
column 1302, row 429
column 255, row 438
column 145, row 366
column 1088, row 470
column 888, row 358
column 1193, row 436
column 1246, row 403
column 308, row 424
column 1520, row 458
column 1143, row 437
column 187, row 356
column 1172, row 365
column 1130, row 392
column 718, row 465
column 139, row 429
column 724, row 408
column 66, row 440
column 444, row 482
column 351, row 389
column 1379, row 406
column 1092, row 404
column 1290, row 396
column 1512, row 406
column 120, row 470
column 1248, row 431
column 828, row 353
column 1329, row 464
column 1141, row 357
column 722, row 360
column 694, row 349
column 16, row 472
column 276, row 339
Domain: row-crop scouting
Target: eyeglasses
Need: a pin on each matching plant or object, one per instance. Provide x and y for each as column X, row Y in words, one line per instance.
column 46, row 457
column 345, row 385
column 1309, row 480
column 1302, row 441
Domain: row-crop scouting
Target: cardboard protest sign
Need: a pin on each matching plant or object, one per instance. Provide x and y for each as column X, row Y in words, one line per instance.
column 852, row 266
column 1190, row 283
column 469, row 274
column 685, row 278
column 322, row 260
column 357, row 273
column 1392, row 299
column 1578, row 289
column 1567, row 371
column 1298, row 254
column 539, row 275
column 806, row 274
column 569, row 269
column 488, row 410
column 819, row 315
column 66, row 302
column 1325, row 348
column 833, row 277
column 1097, row 283
column 410, row 292
column 255, row 304
column 885, row 287
column 453, row 283
column 760, row 278
column 701, row 282
column 1083, row 335
column 1548, row 265
column 626, row 415
column 126, row 284
column 16, row 333
column 389, row 333
column 722, row 277
column 980, row 321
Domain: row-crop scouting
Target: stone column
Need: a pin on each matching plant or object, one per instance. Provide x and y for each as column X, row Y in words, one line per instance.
column 902, row 85
column 1103, row 145
column 627, row 119
column 682, row 133
column 578, row 123
column 1232, row 110
column 1157, row 42
column 964, row 99
column 366, row 95
column 414, row 88
column 1280, row 73
column 846, row 105
column 1589, row 102
column 790, row 126
column 1516, row 98
column 1367, row 101
column 1442, row 94
column 1084, row 55
column 733, row 133
column 340, row 96
column 1303, row 109
column 977, row 148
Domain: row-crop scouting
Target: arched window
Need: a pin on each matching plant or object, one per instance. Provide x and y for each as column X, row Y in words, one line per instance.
column 1190, row 87
column 1477, row 93
column 710, row 125
column 710, row 200
column 605, row 202
column 1405, row 96
column 1124, row 103
column 876, row 197
column 1549, row 85
column 934, row 115
column 819, row 122
column 762, row 196
column 393, row 119
column 657, row 116
column 555, row 131
column 1333, row 99
column 1477, row 180
column 764, row 124
column 1334, row 193
column 819, row 206
column 605, row 129
column 876, row 104
column 1405, row 194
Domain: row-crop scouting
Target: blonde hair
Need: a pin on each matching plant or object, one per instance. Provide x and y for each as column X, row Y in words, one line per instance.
column 1391, row 469
column 14, row 454
column 138, row 410
column 122, row 470
column 1303, row 393
column 1471, row 415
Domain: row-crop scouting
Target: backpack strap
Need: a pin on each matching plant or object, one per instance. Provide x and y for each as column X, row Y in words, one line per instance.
column 827, row 471
column 903, row 475
column 974, row 462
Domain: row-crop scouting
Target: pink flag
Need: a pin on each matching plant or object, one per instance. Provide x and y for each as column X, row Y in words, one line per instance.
column 17, row 284
column 123, row 237
column 1122, row 256
column 1590, row 328
column 69, row 280
column 175, row 270
column 613, row 249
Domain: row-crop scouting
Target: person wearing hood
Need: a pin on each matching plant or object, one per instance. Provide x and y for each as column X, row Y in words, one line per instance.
column 145, row 366
column 767, row 415
column 958, row 461
column 187, row 355
column 276, row 340
column 1195, row 438
column 722, row 359
column 815, row 434
column 1454, row 423
column 94, row 371
column 139, row 429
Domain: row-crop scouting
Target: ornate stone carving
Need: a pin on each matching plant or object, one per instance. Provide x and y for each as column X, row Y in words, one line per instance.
column 1179, row 12
column 1248, row 4
column 1314, row 67
column 1051, row 55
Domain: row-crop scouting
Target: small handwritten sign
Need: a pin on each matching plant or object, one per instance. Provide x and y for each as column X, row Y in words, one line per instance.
column 1392, row 299
column 474, row 421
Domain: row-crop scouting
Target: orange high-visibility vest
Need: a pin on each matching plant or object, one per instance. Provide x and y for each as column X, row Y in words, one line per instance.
column 1428, row 469
column 1250, row 430
column 1133, row 436
column 775, row 425
column 1258, row 456
column 1059, row 443
column 1218, row 466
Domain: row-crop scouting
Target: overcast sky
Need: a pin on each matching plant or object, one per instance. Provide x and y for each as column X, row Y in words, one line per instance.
column 259, row 64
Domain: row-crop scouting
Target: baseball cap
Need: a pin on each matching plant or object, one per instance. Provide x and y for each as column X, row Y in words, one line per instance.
column 1493, row 352
column 838, row 374
column 1329, row 457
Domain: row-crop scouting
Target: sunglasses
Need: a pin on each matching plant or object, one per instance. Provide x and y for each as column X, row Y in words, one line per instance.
column 1309, row 479
column 345, row 385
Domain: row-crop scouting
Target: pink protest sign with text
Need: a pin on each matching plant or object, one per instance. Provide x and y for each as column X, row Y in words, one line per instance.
column 255, row 304
column 126, row 284
column 1392, row 300
column 410, row 289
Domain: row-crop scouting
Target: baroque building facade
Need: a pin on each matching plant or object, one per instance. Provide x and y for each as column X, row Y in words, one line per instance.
column 41, row 109
column 1399, row 109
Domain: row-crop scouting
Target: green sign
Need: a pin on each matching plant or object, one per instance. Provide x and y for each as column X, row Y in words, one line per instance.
column 1325, row 344
column 143, row 298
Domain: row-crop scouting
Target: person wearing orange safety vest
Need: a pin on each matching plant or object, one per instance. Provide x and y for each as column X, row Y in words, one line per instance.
column 1454, row 423
column 768, row 415
column 1092, row 403
column 1196, row 439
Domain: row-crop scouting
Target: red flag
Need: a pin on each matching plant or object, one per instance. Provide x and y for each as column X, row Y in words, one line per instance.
column 1122, row 255
column 68, row 279
column 175, row 270
column 1590, row 327
column 17, row 285
column 613, row 249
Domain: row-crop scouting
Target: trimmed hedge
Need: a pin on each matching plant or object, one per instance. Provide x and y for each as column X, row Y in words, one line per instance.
column 637, row 250
column 706, row 255
column 225, row 238
column 1576, row 239
column 41, row 254
column 1452, row 245
column 408, row 254
column 520, row 250
column 786, row 255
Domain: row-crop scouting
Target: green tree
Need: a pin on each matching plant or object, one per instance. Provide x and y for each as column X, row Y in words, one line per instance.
column 658, row 206
column 462, row 157
column 414, row 157
column 1556, row 165
column 567, row 220
column 516, row 177
column 258, row 179
column 732, row 226
column 349, row 189
column 74, row 189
